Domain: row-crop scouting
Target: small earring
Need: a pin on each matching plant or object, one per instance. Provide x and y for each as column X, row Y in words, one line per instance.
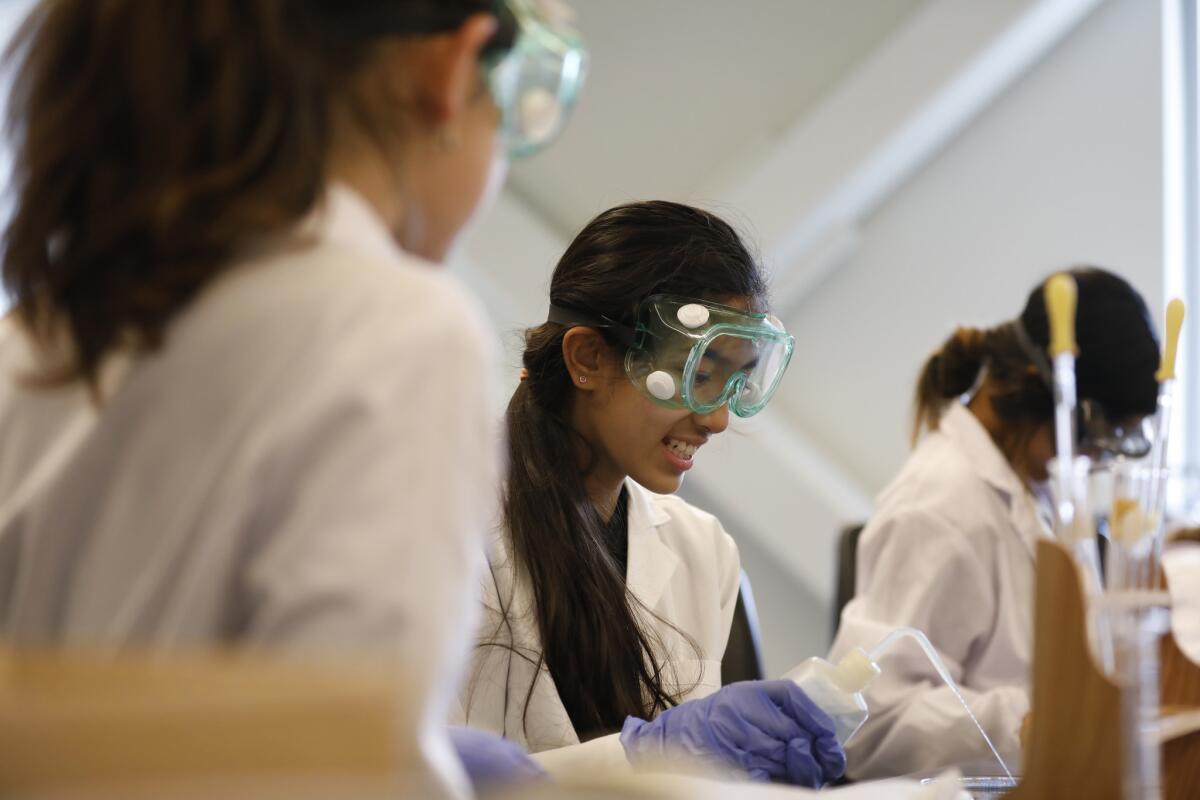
column 583, row 378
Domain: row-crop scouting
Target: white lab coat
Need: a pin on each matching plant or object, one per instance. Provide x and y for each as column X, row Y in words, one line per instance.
column 950, row 550
column 682, row 565
column 305, row 465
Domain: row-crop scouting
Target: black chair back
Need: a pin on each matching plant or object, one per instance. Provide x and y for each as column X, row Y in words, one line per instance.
column 847, row 555
column 743, row 660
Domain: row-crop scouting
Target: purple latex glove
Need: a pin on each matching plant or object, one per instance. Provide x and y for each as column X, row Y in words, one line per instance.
column 768, row 729
column 490, row 760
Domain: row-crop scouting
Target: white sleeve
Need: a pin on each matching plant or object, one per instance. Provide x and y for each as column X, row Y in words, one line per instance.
column 604, row 755
column 915, row 570
column 374, row 509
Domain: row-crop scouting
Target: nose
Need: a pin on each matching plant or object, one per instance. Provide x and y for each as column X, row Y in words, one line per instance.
column 716, row 420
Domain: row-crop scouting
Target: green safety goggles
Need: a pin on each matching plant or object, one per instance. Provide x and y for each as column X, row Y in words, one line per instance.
column 534, row 83
column 696, row 354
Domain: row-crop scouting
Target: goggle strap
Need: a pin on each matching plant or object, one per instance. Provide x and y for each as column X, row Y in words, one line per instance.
column 571, row 317
column 1034, row 353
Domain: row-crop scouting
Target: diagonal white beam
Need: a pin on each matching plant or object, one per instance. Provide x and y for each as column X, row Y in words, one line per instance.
column 807, row 193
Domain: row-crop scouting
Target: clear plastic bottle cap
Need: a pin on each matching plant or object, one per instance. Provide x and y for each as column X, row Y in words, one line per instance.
column 855, row 671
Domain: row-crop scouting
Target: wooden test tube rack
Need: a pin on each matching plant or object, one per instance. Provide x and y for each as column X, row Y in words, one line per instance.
column 1074, row 745
column 1180, row 690
column 90, row 725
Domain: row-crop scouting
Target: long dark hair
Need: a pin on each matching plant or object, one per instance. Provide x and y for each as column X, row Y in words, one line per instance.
column 591, row 627
column 151, row 139
column 1116, row 366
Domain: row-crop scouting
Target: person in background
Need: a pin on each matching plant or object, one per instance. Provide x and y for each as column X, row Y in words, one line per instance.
column 239, row 404
column 610, row 600
column 950, row 546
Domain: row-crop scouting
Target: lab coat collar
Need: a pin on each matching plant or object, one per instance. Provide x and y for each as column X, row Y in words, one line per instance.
column 651, row 562
column 345, row 219
column 969, row 435
column 962, row 427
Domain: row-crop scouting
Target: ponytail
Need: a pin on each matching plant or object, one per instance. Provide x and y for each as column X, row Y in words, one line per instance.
column 949, row 373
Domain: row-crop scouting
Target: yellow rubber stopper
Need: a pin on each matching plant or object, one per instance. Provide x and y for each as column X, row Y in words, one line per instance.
column 1175, row 313
column 1129, row 522
column 1060, row 306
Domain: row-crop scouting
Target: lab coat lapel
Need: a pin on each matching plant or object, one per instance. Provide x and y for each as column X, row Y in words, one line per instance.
column 651, row 562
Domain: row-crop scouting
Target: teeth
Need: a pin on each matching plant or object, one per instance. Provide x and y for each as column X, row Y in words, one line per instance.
column 682, row 449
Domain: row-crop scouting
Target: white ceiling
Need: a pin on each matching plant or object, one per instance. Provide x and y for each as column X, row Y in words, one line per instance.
column 680, row 89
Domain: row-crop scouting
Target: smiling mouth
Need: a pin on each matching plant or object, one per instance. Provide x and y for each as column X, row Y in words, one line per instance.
column 680, row 448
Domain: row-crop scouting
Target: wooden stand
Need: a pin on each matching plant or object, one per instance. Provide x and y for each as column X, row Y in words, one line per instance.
column 83, row 725
column 1180, row 690
column 1074, row 746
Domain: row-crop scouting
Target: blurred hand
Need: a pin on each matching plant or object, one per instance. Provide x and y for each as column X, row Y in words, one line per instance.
column 490, row 759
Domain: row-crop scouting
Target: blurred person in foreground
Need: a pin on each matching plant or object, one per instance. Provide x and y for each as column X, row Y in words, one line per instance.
column 239, row 404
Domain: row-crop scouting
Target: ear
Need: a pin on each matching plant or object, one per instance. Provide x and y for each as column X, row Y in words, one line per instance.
column 446, row 69
column 587, row 355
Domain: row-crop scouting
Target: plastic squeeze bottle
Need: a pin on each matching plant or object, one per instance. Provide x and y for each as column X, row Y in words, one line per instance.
column 837, row 689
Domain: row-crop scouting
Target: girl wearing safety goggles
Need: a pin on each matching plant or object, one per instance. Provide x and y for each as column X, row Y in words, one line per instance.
column 610, row 600
column 949, row 548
